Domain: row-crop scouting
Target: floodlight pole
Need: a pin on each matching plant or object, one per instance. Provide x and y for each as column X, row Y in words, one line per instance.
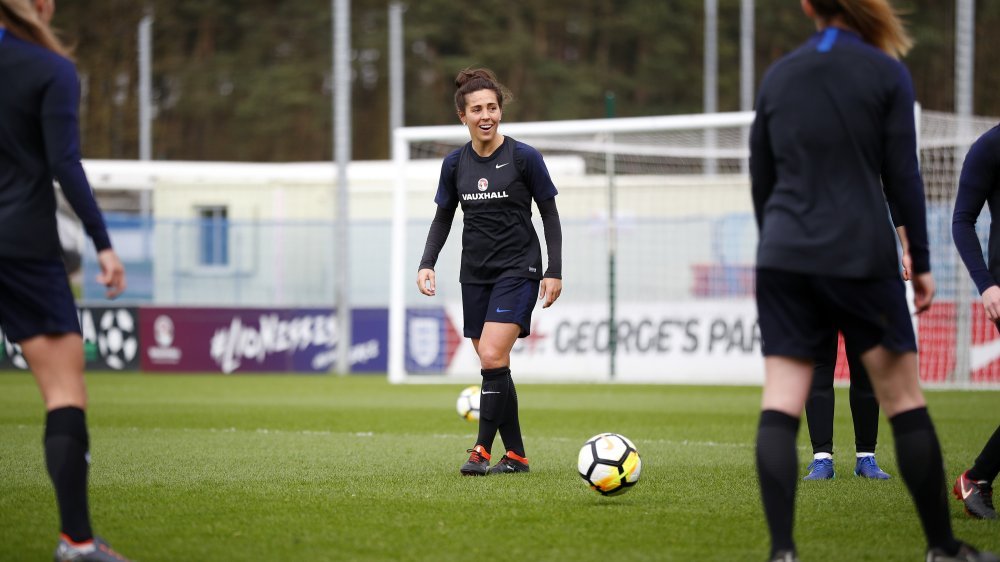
column 965, row 57
column 746, row 70
column 341, row 23
column 396, row 68
column 711, row 71
column 145, row 48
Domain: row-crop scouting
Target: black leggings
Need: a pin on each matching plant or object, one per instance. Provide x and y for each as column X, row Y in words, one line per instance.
column 820, row 405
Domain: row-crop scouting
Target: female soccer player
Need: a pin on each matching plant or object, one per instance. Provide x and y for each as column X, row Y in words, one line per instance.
column 979, row 184
column 495, row 178
column 834, row 125
column 39, row 140
column 819, row 417
column 864, row 404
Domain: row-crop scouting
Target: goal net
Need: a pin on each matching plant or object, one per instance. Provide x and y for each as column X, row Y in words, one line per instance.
column 658, row 256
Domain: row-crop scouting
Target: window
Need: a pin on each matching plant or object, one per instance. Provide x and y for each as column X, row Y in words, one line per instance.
column 213, row 236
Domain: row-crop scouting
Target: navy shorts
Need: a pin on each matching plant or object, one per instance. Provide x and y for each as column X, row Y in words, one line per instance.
column 35, row 299
column 797, row 313
column 510, row 300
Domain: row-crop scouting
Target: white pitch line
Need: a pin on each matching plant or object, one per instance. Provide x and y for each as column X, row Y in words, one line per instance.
column 365, row 434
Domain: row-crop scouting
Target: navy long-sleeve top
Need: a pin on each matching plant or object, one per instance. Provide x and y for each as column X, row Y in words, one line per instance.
column 979, row 184
column 832, row 141
column 39, row 141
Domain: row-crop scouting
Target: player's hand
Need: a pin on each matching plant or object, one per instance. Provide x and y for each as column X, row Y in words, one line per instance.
column 991, row 303
column 907, row 266
column 923, row 291
column 549, row 290
column 112, row 273
column 426, row 282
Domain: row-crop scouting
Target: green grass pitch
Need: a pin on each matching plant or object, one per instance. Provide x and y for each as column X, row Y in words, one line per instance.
column 326, row 468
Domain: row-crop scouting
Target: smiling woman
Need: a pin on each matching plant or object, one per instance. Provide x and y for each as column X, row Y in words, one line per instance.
column 501, row 267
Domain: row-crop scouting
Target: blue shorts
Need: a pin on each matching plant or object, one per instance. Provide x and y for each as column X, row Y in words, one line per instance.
column 35, row 299
column 510, row 300
column 798, row 312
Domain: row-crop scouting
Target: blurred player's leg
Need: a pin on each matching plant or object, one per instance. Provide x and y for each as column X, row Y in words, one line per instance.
column 786, row 386
column 918, row 453
column 974, row 487
column 57, row 362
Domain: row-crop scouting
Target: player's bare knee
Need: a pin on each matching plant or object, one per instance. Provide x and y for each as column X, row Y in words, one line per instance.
column 492, row 357
column 492, row 361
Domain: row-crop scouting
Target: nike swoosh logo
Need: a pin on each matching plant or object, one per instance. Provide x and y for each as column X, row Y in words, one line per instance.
column 491, row 392
column 965, row 493
column 502, row 165
column 502, row 310
column 983, row 354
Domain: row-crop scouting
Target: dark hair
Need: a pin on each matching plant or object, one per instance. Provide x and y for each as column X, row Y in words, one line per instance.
column 474, row 79
column 876, row 21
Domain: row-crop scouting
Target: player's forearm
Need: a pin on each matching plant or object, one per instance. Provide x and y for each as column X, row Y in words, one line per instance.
column 553, row 236
column 436, row 237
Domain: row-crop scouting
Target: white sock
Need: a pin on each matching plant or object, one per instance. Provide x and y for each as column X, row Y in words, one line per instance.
column 819, row 456
column 861, row 455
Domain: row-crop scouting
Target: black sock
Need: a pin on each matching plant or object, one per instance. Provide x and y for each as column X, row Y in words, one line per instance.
column 510, row 428
column 492, row 405
column 66, row 445
column 918, row 455
column 988, row 462
column 777, row 470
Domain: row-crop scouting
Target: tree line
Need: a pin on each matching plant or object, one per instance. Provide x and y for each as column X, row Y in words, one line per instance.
column 250, row 80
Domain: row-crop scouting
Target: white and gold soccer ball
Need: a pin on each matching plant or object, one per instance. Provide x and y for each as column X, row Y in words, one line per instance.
column 468, row 403
column 609, row 463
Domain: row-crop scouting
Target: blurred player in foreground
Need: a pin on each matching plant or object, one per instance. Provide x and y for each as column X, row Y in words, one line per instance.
column 980, row 184
column 864, row 405
column 39, row 140
column 834, row 127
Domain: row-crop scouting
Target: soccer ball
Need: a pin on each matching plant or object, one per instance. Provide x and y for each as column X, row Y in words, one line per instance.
column 468, row 403
column 609, row 463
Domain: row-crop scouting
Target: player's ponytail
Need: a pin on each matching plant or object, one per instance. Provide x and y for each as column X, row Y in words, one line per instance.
column 22, row 20
column 474, row 79
column 875, row 20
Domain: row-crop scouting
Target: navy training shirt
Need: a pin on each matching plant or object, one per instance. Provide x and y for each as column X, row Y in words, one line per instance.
column 495, row 192
column 39, row 140
column 979, row 184
column 832, row 140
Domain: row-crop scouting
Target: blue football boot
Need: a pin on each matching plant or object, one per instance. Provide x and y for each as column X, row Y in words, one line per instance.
column 820, row 469
column 866, row 467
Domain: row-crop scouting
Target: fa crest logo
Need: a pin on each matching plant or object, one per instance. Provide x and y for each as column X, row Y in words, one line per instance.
column 483, row 184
